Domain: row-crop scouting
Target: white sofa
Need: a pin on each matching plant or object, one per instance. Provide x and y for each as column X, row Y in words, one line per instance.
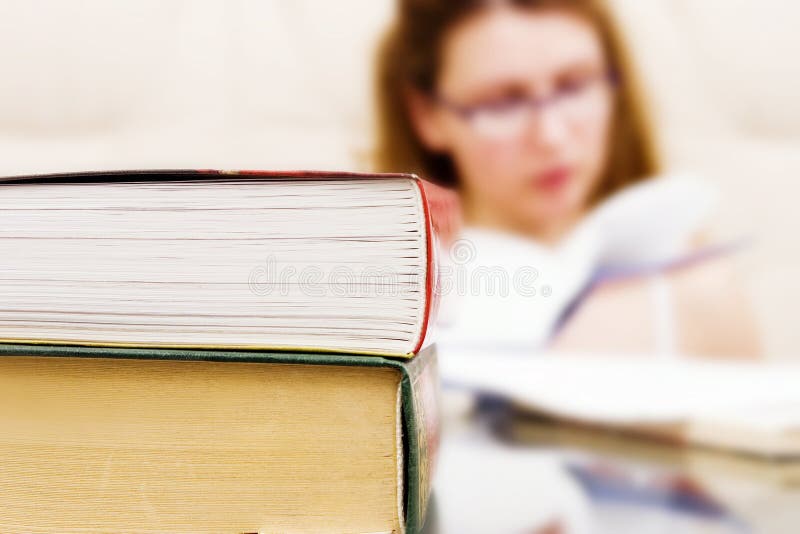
column 102, row 84
column 725, row 83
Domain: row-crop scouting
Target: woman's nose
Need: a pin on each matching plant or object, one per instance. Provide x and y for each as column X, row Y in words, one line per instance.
column 548, row 129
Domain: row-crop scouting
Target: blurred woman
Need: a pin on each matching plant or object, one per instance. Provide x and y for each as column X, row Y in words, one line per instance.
column 531, row 111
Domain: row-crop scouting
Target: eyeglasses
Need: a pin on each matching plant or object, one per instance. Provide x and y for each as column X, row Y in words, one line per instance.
column 576, row 103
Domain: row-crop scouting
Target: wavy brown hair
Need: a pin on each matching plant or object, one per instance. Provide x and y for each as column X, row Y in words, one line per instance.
column 409, row 59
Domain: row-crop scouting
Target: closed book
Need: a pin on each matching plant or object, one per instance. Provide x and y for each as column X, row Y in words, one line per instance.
column 253, row 260
column 110, row 439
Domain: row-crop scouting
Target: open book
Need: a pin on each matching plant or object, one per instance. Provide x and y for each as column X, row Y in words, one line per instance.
column 746, row 407
column 510, row 288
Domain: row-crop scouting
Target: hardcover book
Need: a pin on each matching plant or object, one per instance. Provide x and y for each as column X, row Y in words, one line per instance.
column 195, row 441
column 298, row 261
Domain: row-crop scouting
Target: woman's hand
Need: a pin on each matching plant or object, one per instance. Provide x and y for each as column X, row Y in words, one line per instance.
column 702, row 307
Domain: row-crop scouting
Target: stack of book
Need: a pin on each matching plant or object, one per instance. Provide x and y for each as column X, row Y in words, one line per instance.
column 205, row 351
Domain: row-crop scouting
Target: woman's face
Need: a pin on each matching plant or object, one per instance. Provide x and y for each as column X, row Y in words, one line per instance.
column 524, row 105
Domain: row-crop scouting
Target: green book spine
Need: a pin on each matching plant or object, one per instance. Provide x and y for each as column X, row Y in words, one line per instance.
column 419, row 390
column 422, row 424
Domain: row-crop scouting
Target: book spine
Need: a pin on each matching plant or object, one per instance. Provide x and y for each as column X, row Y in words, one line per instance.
column 422, row 423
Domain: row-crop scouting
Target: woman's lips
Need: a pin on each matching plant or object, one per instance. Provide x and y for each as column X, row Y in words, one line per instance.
column 553, row 180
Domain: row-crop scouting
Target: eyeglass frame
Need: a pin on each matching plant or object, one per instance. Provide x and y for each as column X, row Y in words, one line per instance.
column 537, row 104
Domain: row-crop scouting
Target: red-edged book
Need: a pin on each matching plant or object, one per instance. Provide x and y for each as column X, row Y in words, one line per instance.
column 298, row 261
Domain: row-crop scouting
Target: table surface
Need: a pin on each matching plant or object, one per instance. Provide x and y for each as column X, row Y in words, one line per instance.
column 534, row 476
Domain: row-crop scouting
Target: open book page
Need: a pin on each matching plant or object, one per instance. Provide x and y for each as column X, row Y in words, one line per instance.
column 605, row 389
